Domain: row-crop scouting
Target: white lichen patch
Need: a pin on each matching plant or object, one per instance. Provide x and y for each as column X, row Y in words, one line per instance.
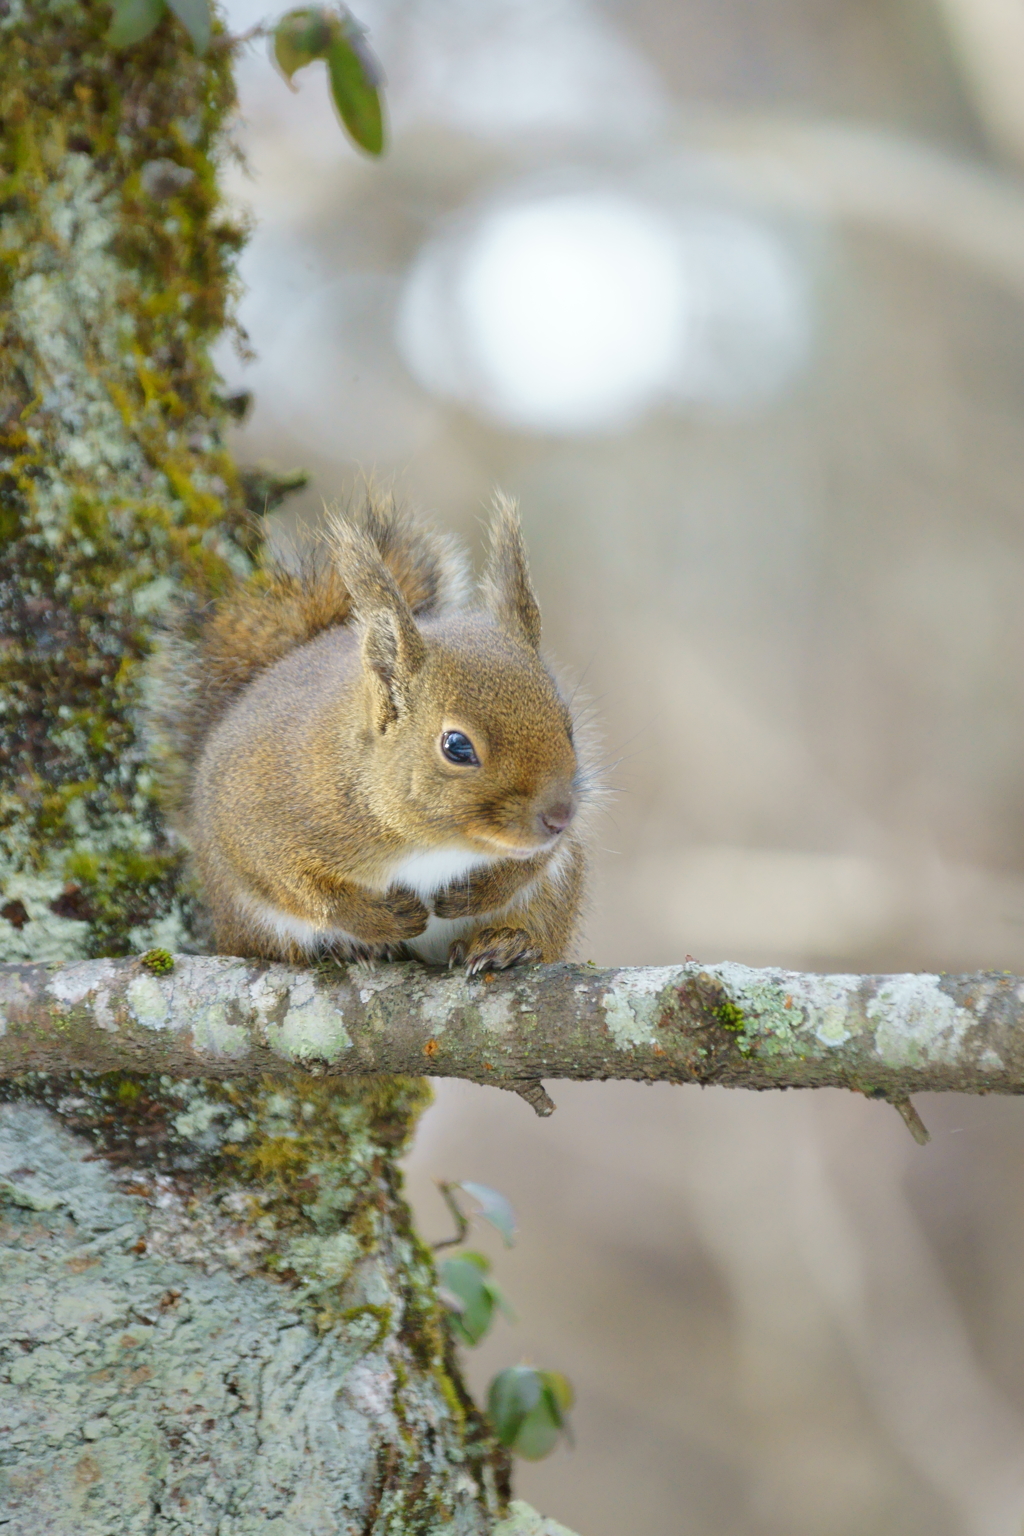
column 363, row 1329
column 156, row 594
column 313, row 1028
column 324, row 1260
column 44, row 936
column 209, row 1003
column 63, row 315
column 169, row 932
column 787, row 1012
column 441, row 996
column 524, row 1520
column 370, row 1286
column 213, row 1034
column 634, row 1003
column 269, row 991
column 74, row 983
column 201, row 1229
column 12, row 997
column 764, row 999
column 148, row 1002
column 496, row 1013
column 916, row 1022
column 828, row 1004
column 28, row 1194
column 202, row 1114
column 371, row 979
column 370, row 1387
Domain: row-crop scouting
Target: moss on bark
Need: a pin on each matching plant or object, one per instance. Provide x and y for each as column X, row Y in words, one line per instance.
column 116, row 492
column 116, row 273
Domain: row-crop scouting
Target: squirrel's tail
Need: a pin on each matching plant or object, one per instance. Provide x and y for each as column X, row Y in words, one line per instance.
column 207, row 655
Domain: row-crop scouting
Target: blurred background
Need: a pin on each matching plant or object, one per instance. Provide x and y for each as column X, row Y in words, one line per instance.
column 731, row 295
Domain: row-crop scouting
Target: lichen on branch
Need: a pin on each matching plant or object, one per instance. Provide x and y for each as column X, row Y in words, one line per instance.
column 885, row 1036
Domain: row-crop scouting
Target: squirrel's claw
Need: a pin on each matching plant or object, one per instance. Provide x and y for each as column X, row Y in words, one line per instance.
column 494, row 949
column 456, row 954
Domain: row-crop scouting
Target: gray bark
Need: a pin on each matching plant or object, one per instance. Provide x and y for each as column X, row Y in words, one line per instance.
column 153, row 1379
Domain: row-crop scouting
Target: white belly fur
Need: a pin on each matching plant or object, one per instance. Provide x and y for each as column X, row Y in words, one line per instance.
column 295, row 930
column 427, row 873
column 432, row 945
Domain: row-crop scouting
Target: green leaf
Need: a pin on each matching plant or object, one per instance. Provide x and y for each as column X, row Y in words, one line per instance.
column 494, row 1208
column 355, row 77
column 302, row 36
column 538, row 1432
column 501, row 1301
column 320, row 32
column 466, row 1276
column 560, row 1388
column 480, row 1260
column 513, row 1394
column 195, row 17
column 527, row 1408
column 560, row 1397
column 133, row 20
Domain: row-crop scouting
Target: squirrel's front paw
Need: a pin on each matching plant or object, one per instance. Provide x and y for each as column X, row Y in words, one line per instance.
column 455, row 900
column 494, row 949
column 407, row 912
column 389, row 919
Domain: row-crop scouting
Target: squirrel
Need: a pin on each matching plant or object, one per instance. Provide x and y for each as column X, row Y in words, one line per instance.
column 365, row 765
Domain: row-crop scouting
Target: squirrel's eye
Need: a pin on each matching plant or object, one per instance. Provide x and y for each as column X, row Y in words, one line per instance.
column 458, row 748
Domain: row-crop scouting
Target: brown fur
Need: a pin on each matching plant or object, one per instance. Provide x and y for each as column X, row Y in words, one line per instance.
column 208, row 655
column 301, row 724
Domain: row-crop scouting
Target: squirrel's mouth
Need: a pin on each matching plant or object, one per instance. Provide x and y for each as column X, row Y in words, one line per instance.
column 517, row 850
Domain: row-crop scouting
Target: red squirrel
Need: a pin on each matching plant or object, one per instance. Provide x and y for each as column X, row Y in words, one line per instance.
column 364, row 764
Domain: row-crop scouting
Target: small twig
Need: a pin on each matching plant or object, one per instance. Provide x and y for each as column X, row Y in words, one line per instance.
column 229, row 40
column 536, row 1095
column 912, row 1120
column 458, row 1216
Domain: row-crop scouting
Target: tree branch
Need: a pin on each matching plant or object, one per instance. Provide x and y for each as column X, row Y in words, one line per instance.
column 886, row 1036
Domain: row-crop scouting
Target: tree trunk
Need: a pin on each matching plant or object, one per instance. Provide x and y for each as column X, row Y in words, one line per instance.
column 196, row 1334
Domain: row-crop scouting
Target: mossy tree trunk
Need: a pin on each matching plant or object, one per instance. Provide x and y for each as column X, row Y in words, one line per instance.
column 214, row 1313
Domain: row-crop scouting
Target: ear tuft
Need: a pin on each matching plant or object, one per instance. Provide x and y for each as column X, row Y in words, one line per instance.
column 506, row 585
column 393, row 648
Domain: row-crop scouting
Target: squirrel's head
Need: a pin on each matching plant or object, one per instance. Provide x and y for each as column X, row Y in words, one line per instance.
column 467, row 737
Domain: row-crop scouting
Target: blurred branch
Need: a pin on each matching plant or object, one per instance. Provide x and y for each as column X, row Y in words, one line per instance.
column 988, row 46
column 885, row 1036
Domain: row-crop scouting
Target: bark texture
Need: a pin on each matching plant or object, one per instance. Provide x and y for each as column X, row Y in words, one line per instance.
column 887, row 1036
column 214, row 1313
column 163, row 1377
column 115, row 489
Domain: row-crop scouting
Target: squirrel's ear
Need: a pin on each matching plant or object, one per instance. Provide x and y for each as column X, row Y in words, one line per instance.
column 506, row 583
column 392, row 646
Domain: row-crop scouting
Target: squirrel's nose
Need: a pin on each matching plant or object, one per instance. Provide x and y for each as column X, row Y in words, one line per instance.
column 556, row 818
